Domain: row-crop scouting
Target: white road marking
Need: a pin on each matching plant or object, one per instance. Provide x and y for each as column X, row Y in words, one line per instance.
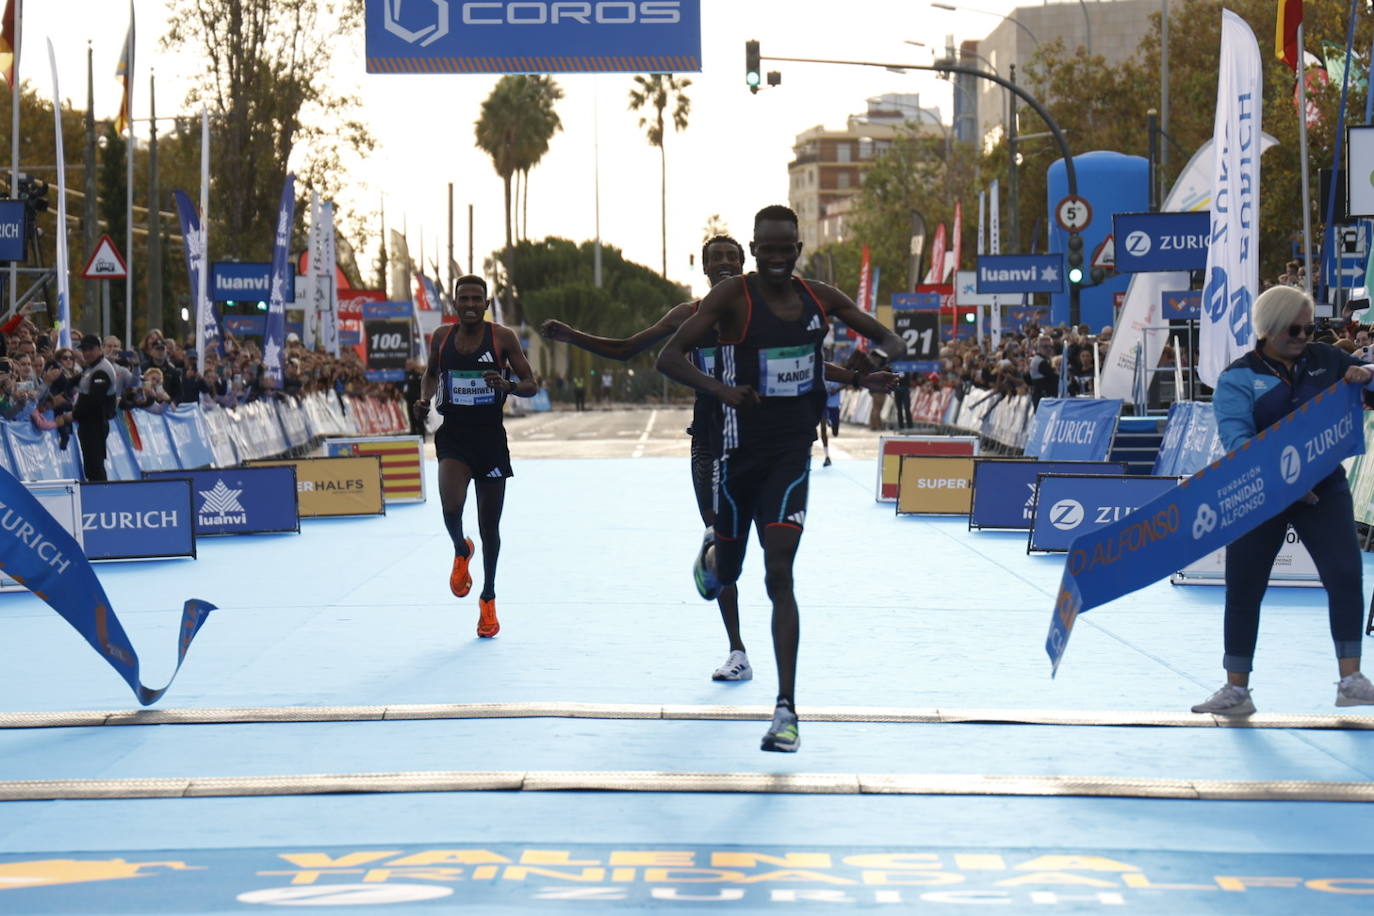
column 644, row 436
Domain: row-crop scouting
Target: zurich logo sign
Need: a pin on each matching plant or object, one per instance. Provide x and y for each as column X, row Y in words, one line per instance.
column 425, row 36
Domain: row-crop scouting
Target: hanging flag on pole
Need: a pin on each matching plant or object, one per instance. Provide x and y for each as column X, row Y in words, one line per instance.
column 193, row 235
column 206, row 327
column 7, row 34
column 125, row 123
column 1232, row 277
column 957, row 248
column 124, row 72
column 64, row 292
column 1286, row 32
column 937, row 255
column 274, row 336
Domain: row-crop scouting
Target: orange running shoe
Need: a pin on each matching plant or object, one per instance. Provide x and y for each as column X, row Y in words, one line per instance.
column 459, row 582
column 487, row 624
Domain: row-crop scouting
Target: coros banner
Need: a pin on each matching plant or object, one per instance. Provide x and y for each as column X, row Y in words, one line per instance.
column 241, row 500
column 138, row 519
column 892, row 448
column 1004, row 488
column 1068, row 506
column 533, row 36
column 329, row 487
column 934, row 486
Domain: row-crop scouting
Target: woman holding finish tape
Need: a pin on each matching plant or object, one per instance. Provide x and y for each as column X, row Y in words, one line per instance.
column 1285, row 370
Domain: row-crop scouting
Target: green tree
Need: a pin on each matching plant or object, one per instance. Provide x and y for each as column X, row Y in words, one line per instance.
column 659, row 91
column 516, row 124
column 266, row 83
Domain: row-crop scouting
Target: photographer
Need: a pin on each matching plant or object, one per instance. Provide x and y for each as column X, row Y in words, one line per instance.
column 151, row 395
column 1281, row 374
column 95, row 405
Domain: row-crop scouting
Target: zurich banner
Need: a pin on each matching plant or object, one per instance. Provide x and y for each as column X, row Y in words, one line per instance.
column 1073, row 429
column 1070, row 505
column 14, row 221
column 1004, row 489
column 241, row 500
column 1020, row 273
column 1208, row 510
column 533, row 36
column 38, row 552
column 1190, row 440
column 139, row 519
column 1162, row 241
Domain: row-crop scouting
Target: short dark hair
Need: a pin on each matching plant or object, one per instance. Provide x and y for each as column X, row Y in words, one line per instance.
column 775, row 212
column 720, row 239
column 470, row 279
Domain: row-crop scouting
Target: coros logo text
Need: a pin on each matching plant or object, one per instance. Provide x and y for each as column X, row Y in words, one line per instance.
column 424, row 37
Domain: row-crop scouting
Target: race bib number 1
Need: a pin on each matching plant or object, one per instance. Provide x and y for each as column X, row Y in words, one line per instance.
column 786, row 372
column 469, row 388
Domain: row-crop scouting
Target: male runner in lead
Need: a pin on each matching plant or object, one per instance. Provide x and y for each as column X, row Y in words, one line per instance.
column 768, row 377
column 721, row 258
column 466, row 363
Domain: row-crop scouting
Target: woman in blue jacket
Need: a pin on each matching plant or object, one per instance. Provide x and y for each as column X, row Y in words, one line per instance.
column 1285, row 370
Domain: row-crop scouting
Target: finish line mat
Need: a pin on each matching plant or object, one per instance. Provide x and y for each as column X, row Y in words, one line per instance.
column 506, row 877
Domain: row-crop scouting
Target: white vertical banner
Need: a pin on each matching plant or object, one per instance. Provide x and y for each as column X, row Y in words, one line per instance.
column 994, row 247
column 311, row 295
column 204, row 317
column 64, row 293
column 329, row 318
column 1233, row 257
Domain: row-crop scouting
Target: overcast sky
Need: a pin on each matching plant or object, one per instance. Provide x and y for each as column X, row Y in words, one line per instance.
column 731, row 160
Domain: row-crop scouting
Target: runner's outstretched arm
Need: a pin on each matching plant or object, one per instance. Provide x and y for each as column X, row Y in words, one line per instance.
column 717, row 309
column 619, row 348
column 429, row 382
column 509, row 344
column 841, row 307
column 876, row 380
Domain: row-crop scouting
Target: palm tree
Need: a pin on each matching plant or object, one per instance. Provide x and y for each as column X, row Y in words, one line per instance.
column 658, row 91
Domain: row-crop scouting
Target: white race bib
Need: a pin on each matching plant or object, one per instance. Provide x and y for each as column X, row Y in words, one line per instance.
column 787, row 372
column 469, row 388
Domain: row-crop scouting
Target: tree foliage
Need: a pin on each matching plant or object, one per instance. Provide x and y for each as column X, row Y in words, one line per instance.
column 517, row 122
column 266, row 84
column 659, row 92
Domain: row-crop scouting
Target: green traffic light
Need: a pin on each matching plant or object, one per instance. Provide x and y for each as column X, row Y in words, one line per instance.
column 1075, row 275
column 752, row 78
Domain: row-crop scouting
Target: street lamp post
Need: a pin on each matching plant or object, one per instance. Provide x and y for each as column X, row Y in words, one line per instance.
column 1012, row 19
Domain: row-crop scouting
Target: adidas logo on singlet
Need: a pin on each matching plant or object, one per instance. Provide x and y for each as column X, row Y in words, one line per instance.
column 815, row 324
column 486, row 358
column 494, row 472
column 797, row 518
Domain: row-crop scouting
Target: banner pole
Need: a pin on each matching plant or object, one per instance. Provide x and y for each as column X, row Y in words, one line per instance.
column 129, row 190
column 1302, row 148
column 14, row 136
column 202, row 291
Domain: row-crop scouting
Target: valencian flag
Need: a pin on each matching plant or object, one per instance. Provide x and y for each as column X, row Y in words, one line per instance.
column 124, row 72
column 1286, row 33
column 7, row 42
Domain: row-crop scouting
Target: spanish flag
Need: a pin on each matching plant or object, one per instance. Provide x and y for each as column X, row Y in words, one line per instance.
column 124, row 72
column 1286, row 33
column 7, row 43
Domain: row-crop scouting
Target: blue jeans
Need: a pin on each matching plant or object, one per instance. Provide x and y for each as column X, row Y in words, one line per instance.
column 1327, row 530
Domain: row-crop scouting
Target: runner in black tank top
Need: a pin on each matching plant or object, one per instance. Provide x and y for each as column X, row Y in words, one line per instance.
column 769, row 381
column 721, row 258
column 467, row 370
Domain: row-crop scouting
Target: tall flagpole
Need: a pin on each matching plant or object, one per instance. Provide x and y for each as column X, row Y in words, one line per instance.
column 203, row 293
column 64, row 292
column 1302, row 146
column 129, row 195
column 14, row 136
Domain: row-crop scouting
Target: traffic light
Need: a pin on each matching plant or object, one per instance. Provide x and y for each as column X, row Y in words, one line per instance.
column 35, row 192
column 1075, row 258
column 753, row 72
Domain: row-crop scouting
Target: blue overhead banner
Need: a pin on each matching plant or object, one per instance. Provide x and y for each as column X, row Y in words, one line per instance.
column 246, row 281
column 533, row 36
column 1162, row 241
column 1004, row 489
column 1020, row 273
column 1210, row 509
column 1073, row 429
column 14, row 220
column 1069, row 505
column 241, row 500
column 39, row 554
column 137, row 519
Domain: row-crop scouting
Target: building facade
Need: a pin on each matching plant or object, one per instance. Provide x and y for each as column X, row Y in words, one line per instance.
column 828, row 165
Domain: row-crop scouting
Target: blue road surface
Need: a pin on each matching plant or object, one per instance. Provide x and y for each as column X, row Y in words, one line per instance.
column 900, row 616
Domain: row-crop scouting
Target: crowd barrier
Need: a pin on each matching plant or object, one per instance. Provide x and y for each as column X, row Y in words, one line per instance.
column 1002, row 422
column 190, row 436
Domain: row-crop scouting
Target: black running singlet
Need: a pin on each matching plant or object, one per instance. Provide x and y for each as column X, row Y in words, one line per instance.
column 464, row 396
column 706, row 409
column 781, row 360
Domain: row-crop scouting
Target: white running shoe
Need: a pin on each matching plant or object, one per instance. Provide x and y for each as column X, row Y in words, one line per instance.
column 1230, row 700
column 736, row 668
column 1354, row 690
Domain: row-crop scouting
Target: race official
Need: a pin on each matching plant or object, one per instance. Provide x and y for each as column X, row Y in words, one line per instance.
column 95, row 405
column 1285, row 370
